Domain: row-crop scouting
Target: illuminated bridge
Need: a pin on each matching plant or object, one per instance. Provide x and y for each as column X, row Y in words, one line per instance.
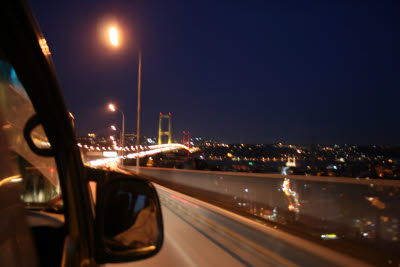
column 145, row 151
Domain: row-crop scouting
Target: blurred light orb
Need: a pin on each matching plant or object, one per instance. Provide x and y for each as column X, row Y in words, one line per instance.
column 113, row 33
column 111, row 107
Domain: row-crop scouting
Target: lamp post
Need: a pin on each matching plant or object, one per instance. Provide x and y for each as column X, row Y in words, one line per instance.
column 114, row 40
column 138, row 110
column 113, row 109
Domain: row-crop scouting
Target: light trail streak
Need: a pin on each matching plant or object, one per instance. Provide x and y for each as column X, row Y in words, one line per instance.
column 155, row 149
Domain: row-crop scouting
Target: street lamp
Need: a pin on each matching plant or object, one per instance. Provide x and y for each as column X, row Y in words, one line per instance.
column 114, row 40
column 112, row 108
column 113, row 33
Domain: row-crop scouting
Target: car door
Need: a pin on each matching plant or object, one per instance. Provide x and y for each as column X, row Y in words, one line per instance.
column 16, row 242
column 26, row 55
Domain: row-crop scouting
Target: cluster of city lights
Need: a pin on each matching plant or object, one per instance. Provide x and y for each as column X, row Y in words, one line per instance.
column 216, row 144
column 234, row 158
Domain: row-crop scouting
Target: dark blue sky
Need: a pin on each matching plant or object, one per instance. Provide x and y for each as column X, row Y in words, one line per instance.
column 248, row 71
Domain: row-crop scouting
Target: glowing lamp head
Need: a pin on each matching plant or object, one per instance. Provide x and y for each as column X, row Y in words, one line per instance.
column 111, row 107
column 113, row 33
column 113, row 128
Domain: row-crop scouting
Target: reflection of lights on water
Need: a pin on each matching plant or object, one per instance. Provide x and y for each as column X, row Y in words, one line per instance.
column 291, row 195
column 267, row 214
column 376, row 202
column 285, row 186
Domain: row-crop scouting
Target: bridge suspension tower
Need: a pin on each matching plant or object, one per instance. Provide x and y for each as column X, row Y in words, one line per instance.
column 161, row 133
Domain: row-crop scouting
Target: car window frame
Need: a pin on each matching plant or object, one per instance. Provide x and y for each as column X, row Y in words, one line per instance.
column 37, row 74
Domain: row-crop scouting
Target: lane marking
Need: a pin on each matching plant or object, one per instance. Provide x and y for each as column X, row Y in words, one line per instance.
column 180, row 249
column 237, row 257
column 239, row 242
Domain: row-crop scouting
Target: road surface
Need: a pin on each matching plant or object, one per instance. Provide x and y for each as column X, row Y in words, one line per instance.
column 200, row 234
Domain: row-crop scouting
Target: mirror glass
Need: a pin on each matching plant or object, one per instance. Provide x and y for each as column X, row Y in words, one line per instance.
column 131, row 216
column 39, row 138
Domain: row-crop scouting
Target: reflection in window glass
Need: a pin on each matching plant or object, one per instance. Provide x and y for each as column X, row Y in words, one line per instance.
column 40, row 178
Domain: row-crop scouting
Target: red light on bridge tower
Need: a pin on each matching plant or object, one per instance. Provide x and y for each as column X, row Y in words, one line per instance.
column 186, row 138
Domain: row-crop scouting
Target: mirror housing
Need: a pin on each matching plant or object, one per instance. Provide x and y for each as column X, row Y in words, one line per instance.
column 30, row 126
column 128, row 219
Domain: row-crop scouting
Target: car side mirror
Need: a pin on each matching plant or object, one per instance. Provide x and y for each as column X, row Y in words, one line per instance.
column 37, row 143
column 128, row 218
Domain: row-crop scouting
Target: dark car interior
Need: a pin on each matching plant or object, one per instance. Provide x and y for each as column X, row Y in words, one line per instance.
column 48, row 234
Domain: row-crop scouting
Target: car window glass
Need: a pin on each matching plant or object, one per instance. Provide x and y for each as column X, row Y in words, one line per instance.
column 39, row 181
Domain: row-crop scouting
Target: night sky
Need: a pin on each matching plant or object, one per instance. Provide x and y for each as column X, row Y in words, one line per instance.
column 234, row 71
